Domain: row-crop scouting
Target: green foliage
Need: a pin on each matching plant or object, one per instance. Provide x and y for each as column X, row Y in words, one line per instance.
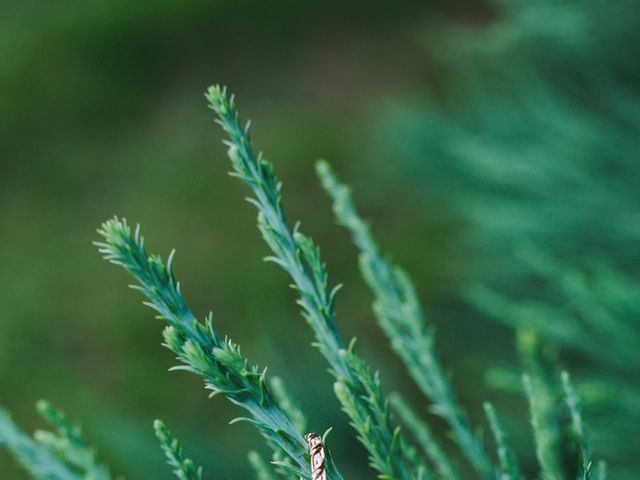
column 508, row 464
column 424, row 438
column 577, row 428
column 401, row 317
column 562, row 449
column 183, row 467
column 199, row 348
column 356, row 387
column 530, row 143
column 52, row 455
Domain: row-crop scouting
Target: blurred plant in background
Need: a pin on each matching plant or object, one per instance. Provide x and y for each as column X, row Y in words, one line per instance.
column 533, row 142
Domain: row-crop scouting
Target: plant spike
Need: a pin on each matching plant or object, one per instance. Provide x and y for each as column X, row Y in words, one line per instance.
column 183, row 467
column 357, row 389
column 577, row 428
column 401, row 316
column 424, row 438
column 67, row 443
column 555, row 452
column 509, row 469
column 37, row 458
column 197, row 345
column 545, row 431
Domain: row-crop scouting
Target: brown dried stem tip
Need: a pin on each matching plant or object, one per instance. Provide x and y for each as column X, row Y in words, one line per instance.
column 316, row 453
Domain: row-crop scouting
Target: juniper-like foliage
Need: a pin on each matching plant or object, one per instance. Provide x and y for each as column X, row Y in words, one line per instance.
column 508, row 464
column 356, row 387
column 199, row 348
column 577, row 428
column 183, row 467
column 401, row 316
column 61, row 454
column 562, row 450
column 531, row 142
column 421, row 432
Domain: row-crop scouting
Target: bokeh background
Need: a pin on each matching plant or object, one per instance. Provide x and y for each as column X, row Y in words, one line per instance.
column 493, row 145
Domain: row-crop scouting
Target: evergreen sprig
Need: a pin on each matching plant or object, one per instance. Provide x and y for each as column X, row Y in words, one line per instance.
column 401, row 316
column 68, row 444
column 577, row 428
column 183, row 467
column 509, row 469
column 545, row 429
column 199, row 348
column 34, row 457
column 424, row 438
column 59, row 455
column 356, row 387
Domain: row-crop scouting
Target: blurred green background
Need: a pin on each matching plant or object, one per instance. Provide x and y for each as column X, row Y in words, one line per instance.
column 471, row 132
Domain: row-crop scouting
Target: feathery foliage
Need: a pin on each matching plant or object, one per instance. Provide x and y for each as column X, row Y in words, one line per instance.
column 58, row 455
column 563, row 452
column 199, row 348
column 531, row 141
column 400, row 315
column 356, row 387
column 183, row 467
column 577, row 428
column 508, row 464
column 423, row 437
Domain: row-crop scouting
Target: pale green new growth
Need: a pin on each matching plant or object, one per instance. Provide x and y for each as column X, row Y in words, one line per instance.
column 59, row 455
column 198, row 347
column 508, row 464
column 401, row 317
column 357, row 389
column 183, row 467
column 424, row 438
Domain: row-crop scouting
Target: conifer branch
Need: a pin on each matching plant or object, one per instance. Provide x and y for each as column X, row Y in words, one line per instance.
column 199, row 348
column 509, row 469
column 59, row 455
column 577, row 428
column 34, row 457
column 68, row 444
column 183, row 467
column 401, row 316
column 555, row 454
column 357, row 389
column 424, row 438
column 545, row 429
